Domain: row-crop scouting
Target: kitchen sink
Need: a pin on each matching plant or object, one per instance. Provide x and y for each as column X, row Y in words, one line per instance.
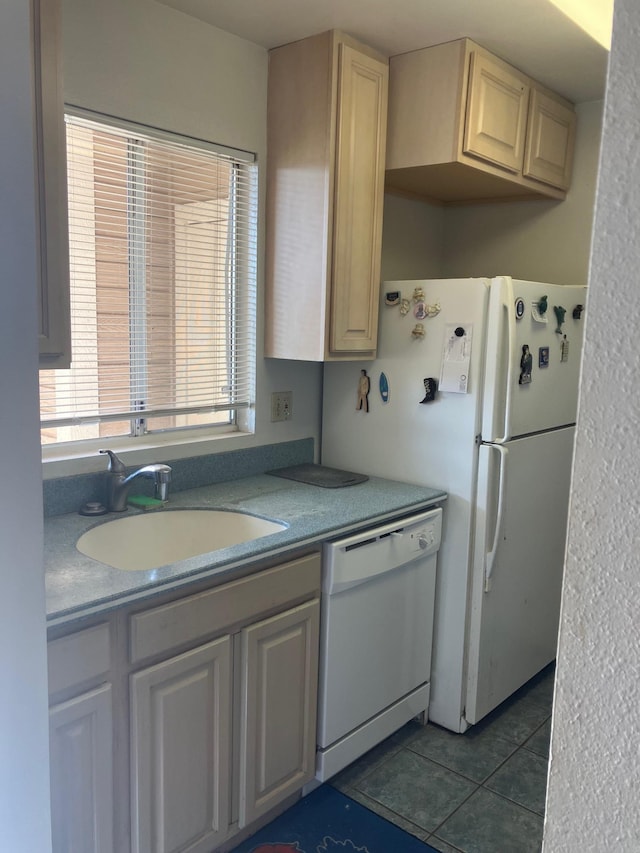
column 150, row 540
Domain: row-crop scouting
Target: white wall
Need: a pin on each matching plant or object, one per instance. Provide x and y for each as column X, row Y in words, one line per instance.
column 24, row 743
column 145, row 62
column 534, row 240
column 412, row 239
column 593, row 788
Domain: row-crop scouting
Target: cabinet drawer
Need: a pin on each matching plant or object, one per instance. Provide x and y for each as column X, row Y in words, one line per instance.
column 219, row 610
column 78, row 658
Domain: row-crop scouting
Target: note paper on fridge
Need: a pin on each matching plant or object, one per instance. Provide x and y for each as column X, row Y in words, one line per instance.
column 456, row 357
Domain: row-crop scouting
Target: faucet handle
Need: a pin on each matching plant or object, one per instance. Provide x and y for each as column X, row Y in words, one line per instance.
column 116, row 465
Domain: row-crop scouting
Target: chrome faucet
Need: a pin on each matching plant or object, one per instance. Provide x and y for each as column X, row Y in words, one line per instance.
column 119, row 483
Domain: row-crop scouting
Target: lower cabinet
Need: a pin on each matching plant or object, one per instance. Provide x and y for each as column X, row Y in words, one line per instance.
column 175, row 727
column 81, row 741
column 181, row 751
column 278, row 708
column 80, row 733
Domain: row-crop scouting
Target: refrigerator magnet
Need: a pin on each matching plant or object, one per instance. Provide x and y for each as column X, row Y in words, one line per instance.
column 363, row 391
column 564, row 349
column 430, row 390
column 392, row 298
column 421, row 310
column 559, row 311
column 404, row 306
column 519, row 308
column 384, row 388
column 577, row 312
column 526, row 363
column 543, row 357
column 539, row 310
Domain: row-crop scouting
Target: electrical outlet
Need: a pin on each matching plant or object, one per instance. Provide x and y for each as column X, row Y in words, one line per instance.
column 281, row 405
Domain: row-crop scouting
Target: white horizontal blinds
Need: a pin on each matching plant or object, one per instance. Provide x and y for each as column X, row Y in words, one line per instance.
column 163, row 249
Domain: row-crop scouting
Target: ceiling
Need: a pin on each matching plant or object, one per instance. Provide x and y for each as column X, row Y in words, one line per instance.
column 534, row 35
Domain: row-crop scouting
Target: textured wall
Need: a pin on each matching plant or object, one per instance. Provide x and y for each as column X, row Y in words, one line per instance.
column 593, row 789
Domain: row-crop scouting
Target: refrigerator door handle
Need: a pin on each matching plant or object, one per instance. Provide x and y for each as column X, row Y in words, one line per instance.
column 490, row 556
column 507, row 307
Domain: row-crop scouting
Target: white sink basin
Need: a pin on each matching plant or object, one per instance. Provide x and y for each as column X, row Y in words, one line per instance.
column 149, row 540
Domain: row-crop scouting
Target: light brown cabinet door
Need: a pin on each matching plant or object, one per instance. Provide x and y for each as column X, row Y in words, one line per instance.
column 54, row 318
column 326, row 135
column 550, row 139
column 278, row 710
column 80, row 738
column 496, row 119
column 180, row 751
column 358, row 200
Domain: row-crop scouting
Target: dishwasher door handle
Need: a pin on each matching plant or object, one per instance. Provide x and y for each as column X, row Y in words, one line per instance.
column 343, row 580
column 343, row 585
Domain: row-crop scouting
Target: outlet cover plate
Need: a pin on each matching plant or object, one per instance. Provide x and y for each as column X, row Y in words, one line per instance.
column 281, row 406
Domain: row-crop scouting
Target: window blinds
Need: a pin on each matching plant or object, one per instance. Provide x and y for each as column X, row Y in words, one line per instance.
column 162, row 236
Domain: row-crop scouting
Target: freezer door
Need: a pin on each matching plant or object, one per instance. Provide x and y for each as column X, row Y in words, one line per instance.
column 533, row 370
column 520, row 532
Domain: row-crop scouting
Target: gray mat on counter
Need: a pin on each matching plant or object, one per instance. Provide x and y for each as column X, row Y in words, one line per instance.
column 319, row 475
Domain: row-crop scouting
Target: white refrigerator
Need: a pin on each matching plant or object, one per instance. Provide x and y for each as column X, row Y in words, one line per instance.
column 497, row 435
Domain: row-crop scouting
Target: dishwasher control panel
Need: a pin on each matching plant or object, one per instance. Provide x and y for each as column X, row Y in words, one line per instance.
column 381, row 549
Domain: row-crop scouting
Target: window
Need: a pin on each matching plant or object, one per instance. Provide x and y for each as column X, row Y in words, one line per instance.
column 163, row 268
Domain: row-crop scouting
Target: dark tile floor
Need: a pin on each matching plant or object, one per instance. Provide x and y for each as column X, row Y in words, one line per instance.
column 479, row 792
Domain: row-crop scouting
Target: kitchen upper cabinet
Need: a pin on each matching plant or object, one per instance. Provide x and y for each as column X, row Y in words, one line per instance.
column 53, row 303
column 327, row 111
column 466, row 126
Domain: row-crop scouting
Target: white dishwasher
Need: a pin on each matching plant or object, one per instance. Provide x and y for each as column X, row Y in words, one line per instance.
column 376, row 636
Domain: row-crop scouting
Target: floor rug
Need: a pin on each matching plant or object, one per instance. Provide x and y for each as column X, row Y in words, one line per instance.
column 327, row 821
